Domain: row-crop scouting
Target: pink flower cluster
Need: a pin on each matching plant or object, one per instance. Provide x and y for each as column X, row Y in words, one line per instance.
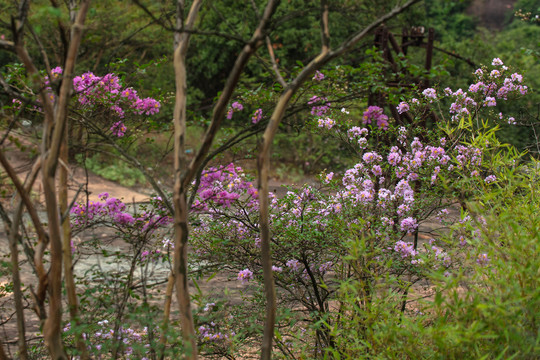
column 319, row 76
column 257, row 116
column 94, row 91
column 107, row 90
column 484, row 92
column 100, row 339
column 375, row 114
column 235, row 107
column 245, row 275
column 326, row 123
column 222, row 186
column 210, row 333
column 320, row 105
column 113, row 211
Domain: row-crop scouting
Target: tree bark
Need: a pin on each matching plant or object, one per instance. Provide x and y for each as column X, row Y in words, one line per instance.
column 180, row 192
column 50, row 152
column 66, row 245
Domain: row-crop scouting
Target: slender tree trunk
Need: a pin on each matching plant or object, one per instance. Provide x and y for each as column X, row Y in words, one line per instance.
column 166, row 315
column 11, row 230
column 50, row 152
column 66, row 243
column 180, row 192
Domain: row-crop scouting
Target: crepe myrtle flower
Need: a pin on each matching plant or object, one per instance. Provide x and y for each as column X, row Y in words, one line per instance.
column 319, row 76
column 375, row 114
column 402, row 107
column 245, row 275
column 118, row 129
column 497, row 62
column 430, row 94
column 409, row 225
column 257, row 116
column 490, row 179
column 235, row 107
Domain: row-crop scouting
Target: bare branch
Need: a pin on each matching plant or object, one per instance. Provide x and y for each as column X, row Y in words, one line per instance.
column 24, row 196
column 275, row 67
column 7, row 45
column 41, row 48
column 153, row 17
column 325, row 31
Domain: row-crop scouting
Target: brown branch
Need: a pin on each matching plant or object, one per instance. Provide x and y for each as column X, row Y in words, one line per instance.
column 166, row 314
column 63, row 30
column 13, row 238
column 325, row 31
column 153, row 17
column 24, row 196
column 275, row 67
column 12, row 235
column 467, row 60
column 131, row 159
column 41, row 49
column 7, row 45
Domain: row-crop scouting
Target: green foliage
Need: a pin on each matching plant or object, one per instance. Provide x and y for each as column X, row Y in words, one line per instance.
column 488, row 309
column 115, row 169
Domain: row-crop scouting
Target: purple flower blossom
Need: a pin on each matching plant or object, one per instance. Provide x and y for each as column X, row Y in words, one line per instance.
column 118, row 129
column 257, row 116
column 293, row 264
column 375, row 113
column 328, row 177
column 490, row 101
column 409, row 225
column 325, row 267
column 516, row 77
column 405, row 249
column 430, row 94
column 319, row 76
column 494, row 73
column 497, row 62
column 402, row 107
column 245, row 275
column 237, row 106
column 489, row 179
column 326, row 123
column 394, row 158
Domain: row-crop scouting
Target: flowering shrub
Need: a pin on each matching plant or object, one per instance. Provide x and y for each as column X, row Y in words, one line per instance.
column 360, row 229
column 381, row 201
column 488, row 88
column 94, row 93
